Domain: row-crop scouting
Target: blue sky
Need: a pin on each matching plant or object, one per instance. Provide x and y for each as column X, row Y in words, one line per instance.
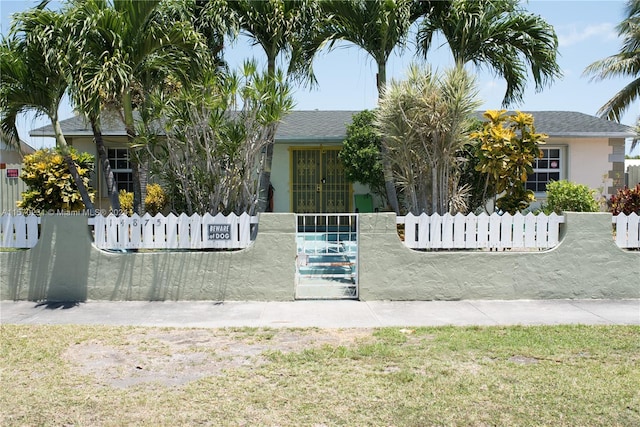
column 346, row 75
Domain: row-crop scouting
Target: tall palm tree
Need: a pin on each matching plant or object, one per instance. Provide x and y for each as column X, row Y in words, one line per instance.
column 32, row 65
column 90, row 83
column 625, row 63
column 500, row 35
column 279, row 27
column 213, row 19
column 138, row 45
column 378, row 27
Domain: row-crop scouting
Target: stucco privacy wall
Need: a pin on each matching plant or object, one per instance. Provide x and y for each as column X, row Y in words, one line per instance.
column 586, row 264
column 65, row 266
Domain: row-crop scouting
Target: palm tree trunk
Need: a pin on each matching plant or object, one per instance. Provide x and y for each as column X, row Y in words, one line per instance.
column 73, row 169
column 137, row 172
column 264, row 178
column 112, row 187
column 389, row 184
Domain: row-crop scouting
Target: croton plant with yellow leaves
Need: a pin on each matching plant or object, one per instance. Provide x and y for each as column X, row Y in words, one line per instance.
column 507, row 150
column 50, row 185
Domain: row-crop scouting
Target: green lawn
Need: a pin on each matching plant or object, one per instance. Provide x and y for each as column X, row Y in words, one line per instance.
column 478, row 376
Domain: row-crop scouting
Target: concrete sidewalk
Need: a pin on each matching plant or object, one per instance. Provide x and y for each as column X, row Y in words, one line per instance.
column 325, row 314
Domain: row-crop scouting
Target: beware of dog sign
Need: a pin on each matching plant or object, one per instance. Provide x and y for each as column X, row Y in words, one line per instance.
column 219, row 231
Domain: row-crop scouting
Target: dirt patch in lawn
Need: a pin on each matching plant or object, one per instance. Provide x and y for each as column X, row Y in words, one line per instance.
column 173, row 357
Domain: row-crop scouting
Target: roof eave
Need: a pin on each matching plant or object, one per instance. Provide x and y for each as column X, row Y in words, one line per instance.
column 307, row 140
column 591, row 135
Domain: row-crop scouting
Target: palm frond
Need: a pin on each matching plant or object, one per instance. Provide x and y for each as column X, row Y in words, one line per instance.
column 499, row 35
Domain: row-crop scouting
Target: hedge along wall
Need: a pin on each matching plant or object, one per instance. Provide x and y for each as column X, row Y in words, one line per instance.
column 65, row 266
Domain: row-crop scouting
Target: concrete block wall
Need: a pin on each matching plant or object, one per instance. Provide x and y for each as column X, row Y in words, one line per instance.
column 64, row 266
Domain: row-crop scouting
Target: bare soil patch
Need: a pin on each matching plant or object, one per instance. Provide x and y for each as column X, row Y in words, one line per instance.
column 174, row 357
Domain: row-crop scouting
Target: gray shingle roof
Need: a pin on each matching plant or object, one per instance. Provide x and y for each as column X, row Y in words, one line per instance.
column 111, row 125
column 330, row 126
column 574, row 124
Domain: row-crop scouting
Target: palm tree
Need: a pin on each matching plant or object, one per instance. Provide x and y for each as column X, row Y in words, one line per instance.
column 500, row 35
column 138, row 45
column 32, row 65
column 377, row 27
column 279, row 27
column 89, row 82
column 626, row 63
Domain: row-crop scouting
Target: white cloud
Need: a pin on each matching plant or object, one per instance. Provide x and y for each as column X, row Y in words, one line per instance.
column 573, row 34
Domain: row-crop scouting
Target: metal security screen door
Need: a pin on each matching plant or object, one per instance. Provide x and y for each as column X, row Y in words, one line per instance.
column 318, row 182
column 327, row 256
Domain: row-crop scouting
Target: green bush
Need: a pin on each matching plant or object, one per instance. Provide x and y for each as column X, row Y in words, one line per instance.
column 565, row 196
column 50, row 185
column 626, row 201
column 360, row 153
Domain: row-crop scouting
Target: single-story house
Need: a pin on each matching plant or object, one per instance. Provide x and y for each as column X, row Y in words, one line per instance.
column 307, row 176
column 11, row 154
column 11, row 186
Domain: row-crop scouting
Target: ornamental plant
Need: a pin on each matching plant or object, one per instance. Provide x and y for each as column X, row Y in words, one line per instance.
column 506, row 152
column 626, row 201
column 156, row 199
column 126, row 202
column 565, row 196
column 50, row 184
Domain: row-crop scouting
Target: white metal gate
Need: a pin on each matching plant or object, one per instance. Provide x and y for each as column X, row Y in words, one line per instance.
column 327, row 256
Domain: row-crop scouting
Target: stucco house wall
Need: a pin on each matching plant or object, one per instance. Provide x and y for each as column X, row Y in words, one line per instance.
column 587, row 162
column 13, row 155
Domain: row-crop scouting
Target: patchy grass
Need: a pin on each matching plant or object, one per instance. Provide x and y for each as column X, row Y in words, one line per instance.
column 478, row 376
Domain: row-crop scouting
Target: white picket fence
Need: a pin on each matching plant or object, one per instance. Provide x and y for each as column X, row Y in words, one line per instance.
column 234, row 232
column 146, row 232
column 482, row 231
column 627, row 230
column 18, row 231
column 173, row 232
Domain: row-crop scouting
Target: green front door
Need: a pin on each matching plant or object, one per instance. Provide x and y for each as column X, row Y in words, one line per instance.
column 318, row 181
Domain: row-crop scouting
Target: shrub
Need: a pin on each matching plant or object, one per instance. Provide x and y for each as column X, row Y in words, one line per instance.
column 626, row 201
column 506, row 151
column 568, row 196
column 360, row 153
column 50, row 185
column 126, row 202
column 156, row 199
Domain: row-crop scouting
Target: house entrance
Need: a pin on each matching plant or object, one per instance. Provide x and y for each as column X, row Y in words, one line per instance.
column 318, row 182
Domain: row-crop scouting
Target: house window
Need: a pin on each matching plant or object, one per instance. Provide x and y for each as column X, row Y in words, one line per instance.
column 121, row 167
column 546, row 169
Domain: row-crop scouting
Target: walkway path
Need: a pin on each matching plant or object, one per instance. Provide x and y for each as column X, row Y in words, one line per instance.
column 325, row 314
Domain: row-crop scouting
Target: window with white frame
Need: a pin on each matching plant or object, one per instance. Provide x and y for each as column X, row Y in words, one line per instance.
column 121, row 167
column 546, row 169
